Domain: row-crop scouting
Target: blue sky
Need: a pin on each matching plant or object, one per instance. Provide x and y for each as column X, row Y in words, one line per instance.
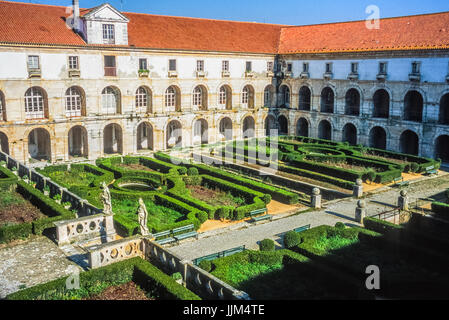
column 293, row 12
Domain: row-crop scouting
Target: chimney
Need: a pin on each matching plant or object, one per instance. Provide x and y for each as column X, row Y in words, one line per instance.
column 76, row 15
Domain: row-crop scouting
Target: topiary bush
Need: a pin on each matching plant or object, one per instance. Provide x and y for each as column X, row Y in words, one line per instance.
column 192, row 171
column 202, row 216
column 267, row 245
column 266, row 198
column 206, row 265
column 223, row 213
column 291, row 239
column 340, row 225
column 414, row 167
column 182, row 170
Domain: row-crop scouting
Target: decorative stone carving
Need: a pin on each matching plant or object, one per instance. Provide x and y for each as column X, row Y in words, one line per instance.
column 403, row 201
column 143, row 218
column 106, row 199
column 316, row 198
column 360, row 211
column 358, row 188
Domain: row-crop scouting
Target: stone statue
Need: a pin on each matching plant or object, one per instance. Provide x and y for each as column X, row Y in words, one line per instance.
column 143, row 218
column 106, row 198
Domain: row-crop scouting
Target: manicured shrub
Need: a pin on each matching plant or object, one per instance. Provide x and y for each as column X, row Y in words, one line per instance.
column 266, row 198
column 340, row 225
column 265, row 257
column 414, row 167
column 267, row 245
column 9, row 233
column 238, row 215
column 182, row 170
column 292, row 239
column 206, row 265
column 202, row 216
column 192, row 171
column 223, row 213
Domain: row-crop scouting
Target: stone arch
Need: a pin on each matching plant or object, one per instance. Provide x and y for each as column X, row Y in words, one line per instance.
column 144, row 135
column 305, row 98
column 225, row 129
column 36, row 103
column 172, row 99
column 327, row 100
column 78, row 145
column 350, row 134
column 248, row 127
column 325, row 130
column 4, row 143
column 113, row 139
column 302, row 127
column 270, row 124
column 144, row 99
column 269, row 96
column 200, row 131
column 248, row 97
column 442, row 148
column 111, row 103
column 200, row 98
column 225, row 97
column 39, row 144
column 378, row 138
column 381, row 104
column 352, row 102
column 283, row 125
column 174, row 134
column 409, row 143
column 284, row 96
column 413, row 106
column 444, row 110
column 75, row 102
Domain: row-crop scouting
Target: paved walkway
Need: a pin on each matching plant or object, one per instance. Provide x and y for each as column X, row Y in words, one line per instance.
column 340, row 210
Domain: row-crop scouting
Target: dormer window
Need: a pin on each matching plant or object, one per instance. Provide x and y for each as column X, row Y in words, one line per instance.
column 108, row 34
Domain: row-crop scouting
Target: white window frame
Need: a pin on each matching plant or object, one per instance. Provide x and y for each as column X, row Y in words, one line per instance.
column 169, row 65
column 74, row 63
column 305, row 67
column 31, row 62
column 328, row 67
column 418, row 67
column 223, row 96
column 200, row 65
column 225, row 66
column 146, row 63
column 250, row 64
column 197, row 97
column 170, row 97
column 245, row 96
column 108, row 33
column 73, row 102
column 384, row 63
column 35, row 103
column 142, row 98
column 354, row 67
column 109, row 98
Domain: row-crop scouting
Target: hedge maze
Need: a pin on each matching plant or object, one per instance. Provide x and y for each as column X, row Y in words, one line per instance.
column 327, row 162
column 165, row 189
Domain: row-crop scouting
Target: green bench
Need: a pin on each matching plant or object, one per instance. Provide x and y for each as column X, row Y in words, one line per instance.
column 302, row 229
column 164, row 240
column 183, row 234
column 260, row 217
column 399, row 181
column 431, row 170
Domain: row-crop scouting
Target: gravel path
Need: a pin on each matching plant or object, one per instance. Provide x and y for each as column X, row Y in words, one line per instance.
column 341, row 210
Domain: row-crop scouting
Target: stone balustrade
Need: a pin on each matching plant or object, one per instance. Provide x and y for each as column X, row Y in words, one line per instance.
column 84, row 228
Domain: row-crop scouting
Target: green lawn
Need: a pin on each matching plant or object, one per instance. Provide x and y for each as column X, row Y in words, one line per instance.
column 72, row 178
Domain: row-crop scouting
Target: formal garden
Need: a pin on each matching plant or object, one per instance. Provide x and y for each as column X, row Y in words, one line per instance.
column 175, row 196
column 330, row 263
column 325, row 163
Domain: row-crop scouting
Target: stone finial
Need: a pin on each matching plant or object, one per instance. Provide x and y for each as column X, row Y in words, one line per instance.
column 316, row 191
column 403, row 193
column 359, row 182
column 361, row 204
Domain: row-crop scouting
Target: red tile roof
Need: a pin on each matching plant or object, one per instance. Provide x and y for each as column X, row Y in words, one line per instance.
column 44, row 24
column 430, row 31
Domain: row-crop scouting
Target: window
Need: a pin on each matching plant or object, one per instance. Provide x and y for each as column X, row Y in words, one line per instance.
column 109, row 66
column 267, row 97
column 354, row 67
column 289, row 67
column 225, row 66
column 170, row 97
column 249, row 66
column 34, row 103
column 73, row 102
column 143, row 64
column 73, row 63
column 416, row 67
column 197, row 97
column 223, row 96
column 110, row 100
column 200, row 65
column 305, row 67
column 33, row 62
column 245, row 95
column 142, row 98
column 382, row 68
column 328, row 67
column 172, row 65
column 270, row 66
column 108, row 34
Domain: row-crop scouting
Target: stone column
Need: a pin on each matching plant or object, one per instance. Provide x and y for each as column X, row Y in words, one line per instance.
column 316, row 198
column 358, row 189
column 94, row 258
column 360, row 211
column 403, row 201
column 109, row 227
column 62, row 236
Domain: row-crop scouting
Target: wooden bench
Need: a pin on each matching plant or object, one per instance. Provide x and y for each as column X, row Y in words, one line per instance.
column 260, row 217
column 185, row 235
column 163, row 234
column 302, row 229
column 399, row 181
column 431, row 170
